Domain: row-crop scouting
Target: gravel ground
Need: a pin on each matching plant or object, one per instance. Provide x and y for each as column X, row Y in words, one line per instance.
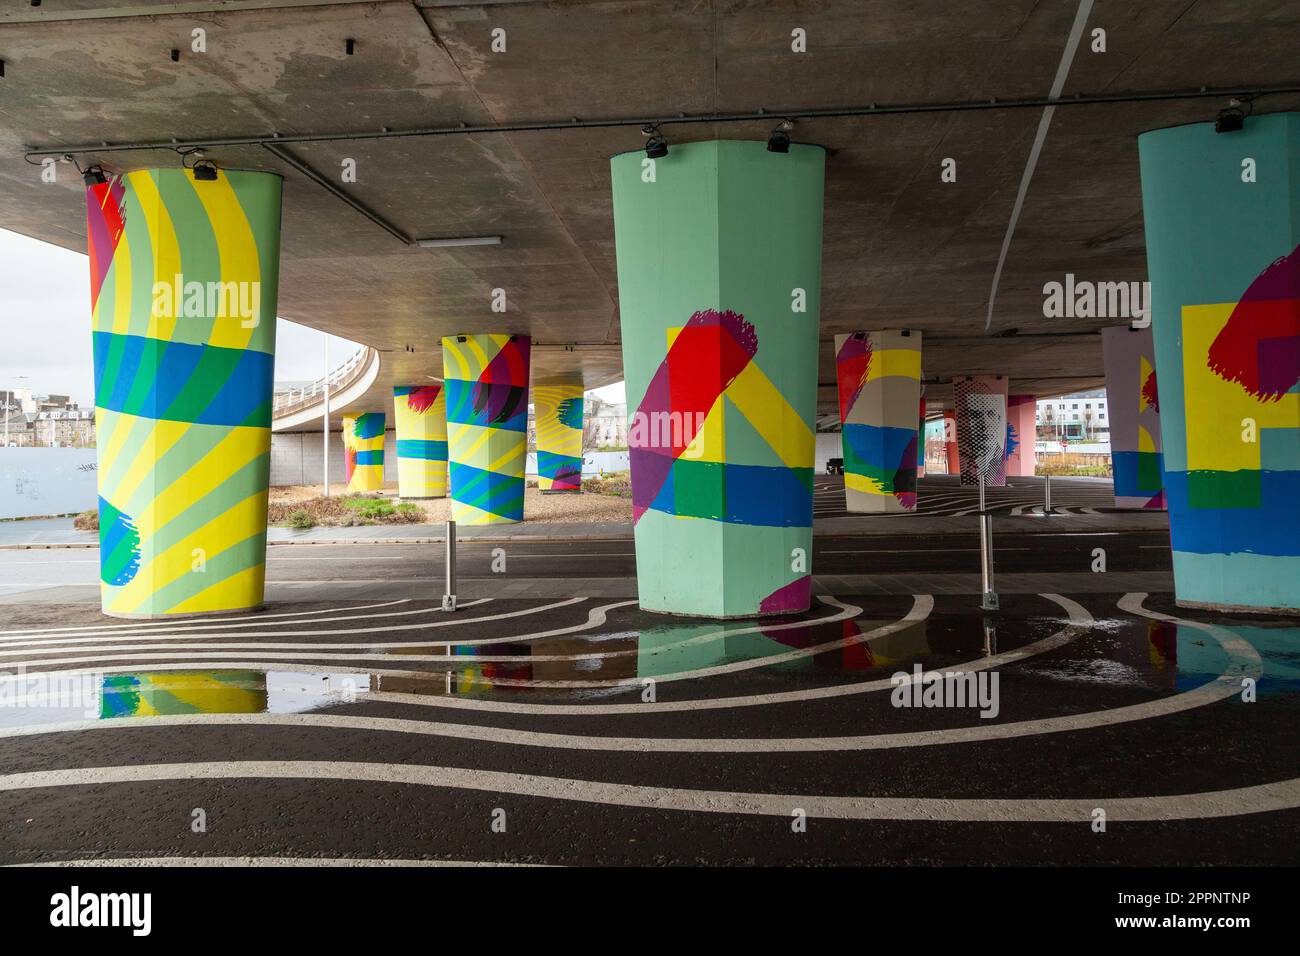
column 537, row 506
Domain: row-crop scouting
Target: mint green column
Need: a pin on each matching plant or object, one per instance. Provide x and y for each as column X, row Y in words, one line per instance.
column 1222, row 215
column 719, row 274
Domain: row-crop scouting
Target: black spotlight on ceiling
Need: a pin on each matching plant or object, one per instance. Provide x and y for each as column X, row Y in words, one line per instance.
column 1233, row 119
column 656, row 147
column 94, row 175
column 205, row 171
column 779, row 141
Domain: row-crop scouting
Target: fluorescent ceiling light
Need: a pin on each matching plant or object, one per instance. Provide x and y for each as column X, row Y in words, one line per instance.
column 462, row 241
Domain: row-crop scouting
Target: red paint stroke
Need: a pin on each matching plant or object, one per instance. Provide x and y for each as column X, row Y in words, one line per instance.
column 851, row 367
column 1149, row 394
column 421, row 399
column 708, row 353
column 1259, row 346
column 105, row 225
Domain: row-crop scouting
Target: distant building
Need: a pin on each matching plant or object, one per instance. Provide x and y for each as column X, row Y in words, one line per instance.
column 1080, row 417
column 44, row 420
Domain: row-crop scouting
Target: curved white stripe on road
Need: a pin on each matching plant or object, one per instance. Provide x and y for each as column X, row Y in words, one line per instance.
column 1283, row 795
column 1080, row 621
column 1246, row 663
column 595, row 618
column 450, row 621
column 203, row 658
column 195, row 621
column 246, row 621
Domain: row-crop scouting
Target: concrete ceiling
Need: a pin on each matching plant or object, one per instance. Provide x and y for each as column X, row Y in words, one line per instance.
column 901, row 248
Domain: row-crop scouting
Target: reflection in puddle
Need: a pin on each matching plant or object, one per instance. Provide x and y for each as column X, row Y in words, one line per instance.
column 57, row 697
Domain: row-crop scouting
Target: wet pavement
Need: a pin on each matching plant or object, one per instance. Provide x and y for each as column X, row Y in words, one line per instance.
column 595, row 733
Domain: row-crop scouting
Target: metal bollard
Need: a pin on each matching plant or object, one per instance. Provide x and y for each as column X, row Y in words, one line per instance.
column 449, row 597
column 989, row 599
column 1047, row 495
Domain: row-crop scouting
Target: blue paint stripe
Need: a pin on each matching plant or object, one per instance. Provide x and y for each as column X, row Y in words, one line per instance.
column 372, row 457
column 236, row 401
column 499, row 494
column 460, row 407
column 425, row 450
column 1272, row 529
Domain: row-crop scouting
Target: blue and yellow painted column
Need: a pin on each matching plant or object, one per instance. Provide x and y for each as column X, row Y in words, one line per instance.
column 486, row 380
column 363, row 450
column 1222, row 214
column 420, row 416
column 1133, row 408
column 183, row 277
column 557, row 412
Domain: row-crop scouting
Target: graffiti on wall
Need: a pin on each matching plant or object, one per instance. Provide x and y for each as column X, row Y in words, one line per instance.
column 486, row 380
column 981, row 406
column 363, row 450
column 879, row 380
column 420, row 418
column 557, row 411
column 1133, row 405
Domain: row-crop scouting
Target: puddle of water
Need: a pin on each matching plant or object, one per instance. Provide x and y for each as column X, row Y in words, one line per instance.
column 56, row 697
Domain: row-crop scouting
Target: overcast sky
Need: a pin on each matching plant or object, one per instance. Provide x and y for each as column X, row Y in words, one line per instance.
column 45, row 326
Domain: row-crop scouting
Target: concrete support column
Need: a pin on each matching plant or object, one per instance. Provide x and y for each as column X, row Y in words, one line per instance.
column 183, row 280
column 363, row 451
column 920, row 440
column 951, row 451
column 1022, row 433
column 981, row 402
column 719, row 275
column 486, row 378
column 557, row 414
column 420, row 417
column 879, row 377
column 1133, row 410
column 1222, row 214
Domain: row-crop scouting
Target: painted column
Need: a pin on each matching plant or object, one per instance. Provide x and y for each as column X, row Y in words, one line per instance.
column 420, row 417
column 1133, row 409
column 1222, row 215
column 183, row 280
column 951, row 451
column 719, row 276
column 486, row 378
column 363, row 449
column 557, row 413
column 879, row 376
column 920, row 440
column 981, row 402
column 1022, row 432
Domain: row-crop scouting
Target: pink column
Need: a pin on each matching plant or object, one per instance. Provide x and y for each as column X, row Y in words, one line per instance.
column 1021, row 429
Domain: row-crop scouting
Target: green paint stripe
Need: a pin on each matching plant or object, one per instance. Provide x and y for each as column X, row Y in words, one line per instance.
column 259, row 197
column 241, row 556
column 248, row 481
column 200, row 257
column 142, row 263
column 205, row 382
column 196, row 444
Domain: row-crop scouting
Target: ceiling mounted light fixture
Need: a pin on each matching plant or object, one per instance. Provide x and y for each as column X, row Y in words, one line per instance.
column 205, row 171
column 458, row 241
column 1233, row 119
column 94, row 175
column 779, row 141
column 656, row 147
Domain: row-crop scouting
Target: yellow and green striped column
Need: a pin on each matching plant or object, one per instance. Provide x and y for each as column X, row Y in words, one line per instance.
column 363, row 448
column 557, row 413
column 184, row 276
column 420, row 416
column 486, row 379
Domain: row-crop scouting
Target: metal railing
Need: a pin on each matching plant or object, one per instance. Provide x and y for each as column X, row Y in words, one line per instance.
column 296, row 399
